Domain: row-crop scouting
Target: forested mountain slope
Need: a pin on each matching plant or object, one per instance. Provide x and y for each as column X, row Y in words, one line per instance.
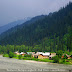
column 13, row 27
column 51, row 33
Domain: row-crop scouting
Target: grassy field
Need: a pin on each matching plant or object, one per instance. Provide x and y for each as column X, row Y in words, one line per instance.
column 66, row 61
column 29, row 58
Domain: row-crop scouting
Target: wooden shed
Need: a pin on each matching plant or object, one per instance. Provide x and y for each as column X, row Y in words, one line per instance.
column 42, row 56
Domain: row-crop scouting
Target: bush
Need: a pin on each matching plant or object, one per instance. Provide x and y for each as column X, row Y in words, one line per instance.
column 20, row 56
column 59, row 53
column 4, row 55
column 11, row 55
column 65, row 57
column 56, row 59
column 63, row 60
column 66, row 52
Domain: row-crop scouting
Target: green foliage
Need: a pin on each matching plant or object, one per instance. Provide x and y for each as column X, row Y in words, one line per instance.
column 56, row 59
column 20, row 57
column 71, row 53
column 27, row 55
column 61, row 61
column 65, row 57
column 11, row 54
column 5, row 55
column 36, row 59
column 59, row 53
column 66, row 52
column 45, row 60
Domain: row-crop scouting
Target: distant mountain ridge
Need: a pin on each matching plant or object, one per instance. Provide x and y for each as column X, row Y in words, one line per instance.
column 12, row 24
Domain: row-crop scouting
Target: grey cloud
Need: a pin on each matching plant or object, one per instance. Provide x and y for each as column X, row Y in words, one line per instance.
column 11, row 10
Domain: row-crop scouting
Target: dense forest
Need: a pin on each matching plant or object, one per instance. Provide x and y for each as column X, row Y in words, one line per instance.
column 51, row 33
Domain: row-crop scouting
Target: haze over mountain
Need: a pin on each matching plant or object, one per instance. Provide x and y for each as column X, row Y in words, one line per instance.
column 13, row 10
column 12, row 24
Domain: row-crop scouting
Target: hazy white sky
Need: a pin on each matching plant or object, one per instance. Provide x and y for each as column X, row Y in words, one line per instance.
column 11, row 10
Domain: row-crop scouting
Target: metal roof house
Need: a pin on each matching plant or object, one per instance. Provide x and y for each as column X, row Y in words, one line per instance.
column 42, row 55
column 22, row 53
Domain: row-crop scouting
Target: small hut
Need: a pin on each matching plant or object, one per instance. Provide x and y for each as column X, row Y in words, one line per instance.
column 44, row 55
column 22, row 53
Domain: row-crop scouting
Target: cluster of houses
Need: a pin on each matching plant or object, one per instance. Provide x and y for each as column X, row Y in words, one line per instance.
column 41, row 55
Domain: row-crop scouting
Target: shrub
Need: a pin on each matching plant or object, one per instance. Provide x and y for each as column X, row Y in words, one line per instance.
column 20, row 56
column 59, row 53
column 66, row 52
column 4, row 55
column 63, row 60
column 56, row 59
column 11, row 55
column 65, row 57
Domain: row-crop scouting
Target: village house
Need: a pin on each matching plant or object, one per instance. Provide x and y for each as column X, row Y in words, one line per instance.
column 38, row 53
column 44, row 55
column 35, row 55
column 41, row 55
column 68, row 56
column 17, row 53
column 52, row 55
column 22, row 53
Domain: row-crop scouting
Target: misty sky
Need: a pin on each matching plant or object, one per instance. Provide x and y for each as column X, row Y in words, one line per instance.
column 12, row 10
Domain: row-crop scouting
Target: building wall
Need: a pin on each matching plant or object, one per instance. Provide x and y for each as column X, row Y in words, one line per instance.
column 53, row 54
column 42, row 57
column 17, row 53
